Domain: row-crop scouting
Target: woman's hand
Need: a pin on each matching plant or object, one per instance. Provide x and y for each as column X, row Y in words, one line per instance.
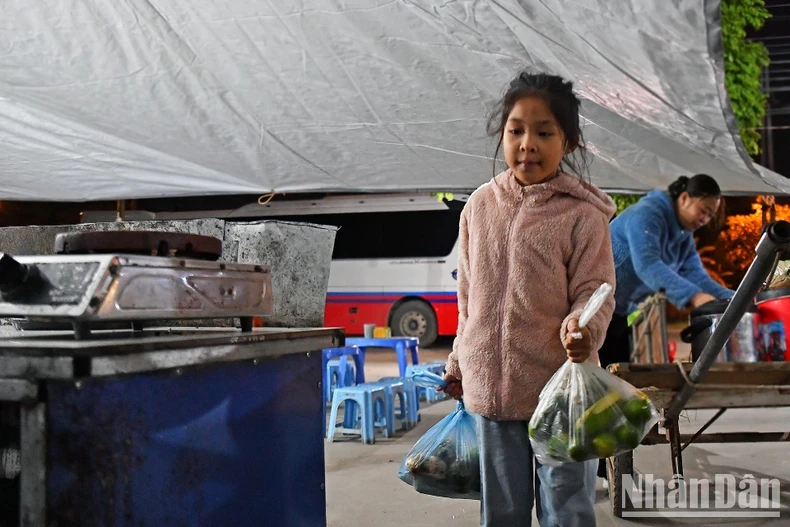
column 701, row 298
column 453, row 388
column 578, row 349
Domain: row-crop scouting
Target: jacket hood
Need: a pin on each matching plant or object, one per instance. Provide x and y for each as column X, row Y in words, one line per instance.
column 506, row 185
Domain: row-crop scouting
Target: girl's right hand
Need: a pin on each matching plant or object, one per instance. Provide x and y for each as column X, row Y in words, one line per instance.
column 453, row 388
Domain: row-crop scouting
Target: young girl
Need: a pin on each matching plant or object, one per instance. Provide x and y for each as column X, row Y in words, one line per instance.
column 534, row 245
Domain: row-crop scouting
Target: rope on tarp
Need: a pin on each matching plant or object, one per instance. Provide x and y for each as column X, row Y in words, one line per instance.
column 268, row 197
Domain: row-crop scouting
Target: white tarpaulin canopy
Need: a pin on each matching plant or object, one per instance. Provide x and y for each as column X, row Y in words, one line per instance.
column 111, row 99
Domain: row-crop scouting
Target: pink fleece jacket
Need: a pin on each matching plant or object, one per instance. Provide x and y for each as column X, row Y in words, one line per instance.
column 529, row 259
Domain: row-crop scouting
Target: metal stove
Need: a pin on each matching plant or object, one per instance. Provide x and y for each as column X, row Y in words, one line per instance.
column 109, row 418
column 106, row 280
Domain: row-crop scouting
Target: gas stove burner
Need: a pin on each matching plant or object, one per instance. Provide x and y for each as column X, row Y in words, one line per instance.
column 147, row 243
column 89, row 291
column 17, row 279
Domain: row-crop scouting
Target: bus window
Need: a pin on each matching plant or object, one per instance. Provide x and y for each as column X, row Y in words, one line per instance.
column 382, row 235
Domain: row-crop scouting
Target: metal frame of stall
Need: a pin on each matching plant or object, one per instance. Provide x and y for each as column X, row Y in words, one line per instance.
column 673, row 387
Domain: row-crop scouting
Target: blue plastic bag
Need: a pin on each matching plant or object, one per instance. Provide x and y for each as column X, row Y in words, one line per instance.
column 445, row 461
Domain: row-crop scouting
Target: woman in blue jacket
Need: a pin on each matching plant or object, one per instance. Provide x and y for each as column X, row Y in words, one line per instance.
column 653, row 246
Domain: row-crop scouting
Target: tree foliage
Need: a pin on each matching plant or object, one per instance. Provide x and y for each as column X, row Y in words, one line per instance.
column 744, row 61
column 623, row 201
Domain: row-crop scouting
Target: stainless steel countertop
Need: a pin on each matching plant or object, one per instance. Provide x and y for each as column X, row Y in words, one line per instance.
column 57, row 355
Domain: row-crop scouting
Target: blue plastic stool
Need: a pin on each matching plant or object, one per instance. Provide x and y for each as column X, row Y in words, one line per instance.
column 412, row 399
column 430, row 395
column 339, row 372
column 437, row 366
column 393, row 389
column 344, row 353
column 371, row 399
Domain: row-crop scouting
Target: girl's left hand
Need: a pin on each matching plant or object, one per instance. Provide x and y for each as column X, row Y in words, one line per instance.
column 578, row 349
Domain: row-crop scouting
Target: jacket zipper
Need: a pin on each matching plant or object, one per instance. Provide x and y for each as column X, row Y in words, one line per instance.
column 498, row 397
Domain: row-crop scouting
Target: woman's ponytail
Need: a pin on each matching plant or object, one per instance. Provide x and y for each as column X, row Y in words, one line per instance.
column 678, row 187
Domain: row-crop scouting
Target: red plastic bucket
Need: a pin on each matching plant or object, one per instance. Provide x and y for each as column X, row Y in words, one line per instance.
column 774, row 306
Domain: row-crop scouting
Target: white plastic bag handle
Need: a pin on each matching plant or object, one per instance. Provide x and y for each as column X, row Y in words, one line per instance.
column 592, row 306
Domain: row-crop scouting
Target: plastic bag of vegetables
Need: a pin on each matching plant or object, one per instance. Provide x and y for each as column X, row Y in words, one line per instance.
column 445, row 460
column 584, row 412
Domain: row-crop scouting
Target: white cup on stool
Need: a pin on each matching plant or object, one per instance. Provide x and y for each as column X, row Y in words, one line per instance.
column 369, row 330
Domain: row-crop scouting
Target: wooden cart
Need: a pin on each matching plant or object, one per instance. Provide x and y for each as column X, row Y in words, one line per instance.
column 705, row 383
column 726, row 385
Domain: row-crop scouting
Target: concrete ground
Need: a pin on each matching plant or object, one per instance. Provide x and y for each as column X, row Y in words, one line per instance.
column 363, row 488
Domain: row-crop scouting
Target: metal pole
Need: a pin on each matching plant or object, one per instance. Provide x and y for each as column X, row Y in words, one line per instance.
column 33, row 464
column 120, row 210
column 775, row 239
column 764, row 135
column 662, row 313
column 769, row 124
column 648, row 334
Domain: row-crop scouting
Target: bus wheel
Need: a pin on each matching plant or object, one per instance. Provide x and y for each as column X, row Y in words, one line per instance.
column 415, row 318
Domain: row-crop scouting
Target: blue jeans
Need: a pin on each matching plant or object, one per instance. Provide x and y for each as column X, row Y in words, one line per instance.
column 565, row 493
